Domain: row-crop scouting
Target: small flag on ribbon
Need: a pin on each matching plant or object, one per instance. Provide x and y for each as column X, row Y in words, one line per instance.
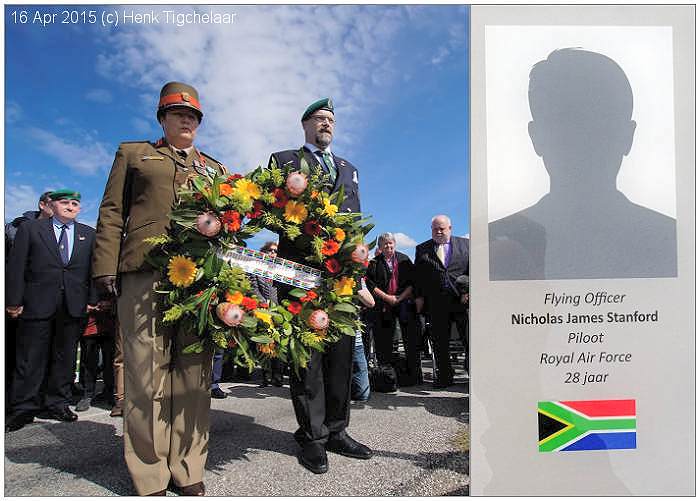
column 587, row 425
column 275, row 268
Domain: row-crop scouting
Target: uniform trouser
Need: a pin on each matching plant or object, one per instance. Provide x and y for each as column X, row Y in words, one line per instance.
column 166, row 406
column 442, row 314
column 118, row 365
column 321, row 395
column 46, row 351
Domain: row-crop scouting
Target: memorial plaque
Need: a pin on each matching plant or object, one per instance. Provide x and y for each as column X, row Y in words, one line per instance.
column 583, row 258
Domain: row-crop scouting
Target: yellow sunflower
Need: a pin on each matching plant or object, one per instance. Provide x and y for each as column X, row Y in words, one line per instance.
column 295, row 212
column 248, row 189
column 339, row 234
column 344, row 286
column 329, row 208
column 265, row 317
column 181, row 271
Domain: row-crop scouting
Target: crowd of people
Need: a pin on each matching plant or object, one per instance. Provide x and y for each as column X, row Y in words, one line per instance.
column 69, row 284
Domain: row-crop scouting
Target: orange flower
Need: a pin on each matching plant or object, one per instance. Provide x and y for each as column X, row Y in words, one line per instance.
column 225, row 189
column 249, row 303
column 235, row 297
column 310, row 296
column 339, row 234
column 294, row 308
column 267, row 349
column 329, row 247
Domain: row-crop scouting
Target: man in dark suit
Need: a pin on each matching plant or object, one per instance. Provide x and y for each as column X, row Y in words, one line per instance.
column 439, row 263
column 321, row 395
column 49, row 289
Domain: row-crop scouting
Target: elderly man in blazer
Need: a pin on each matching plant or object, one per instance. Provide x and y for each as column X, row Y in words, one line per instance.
column 440, row 262
column 321, row 395
column 49, row 290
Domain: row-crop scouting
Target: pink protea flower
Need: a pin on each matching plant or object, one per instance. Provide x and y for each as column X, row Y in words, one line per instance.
column 229, row 313
column 318, row 320
column 296, row 183
column 208, row 224
column 360, row 254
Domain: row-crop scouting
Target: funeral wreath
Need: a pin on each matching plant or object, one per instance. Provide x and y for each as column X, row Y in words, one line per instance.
column 202, row 258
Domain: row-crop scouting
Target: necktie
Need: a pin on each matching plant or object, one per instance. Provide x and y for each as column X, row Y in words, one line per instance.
column 63, row 245
column 441, row 253
column 329, row 164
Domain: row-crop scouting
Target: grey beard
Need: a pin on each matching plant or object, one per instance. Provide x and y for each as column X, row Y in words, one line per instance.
column 323, row 139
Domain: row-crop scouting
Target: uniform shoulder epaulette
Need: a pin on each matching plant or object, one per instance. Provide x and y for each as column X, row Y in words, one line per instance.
column 137, row 142
column 211, row 158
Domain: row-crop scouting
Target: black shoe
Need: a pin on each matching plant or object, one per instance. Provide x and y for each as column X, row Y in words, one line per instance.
column 83, row 404
column 218, row 393
column 346, row 446
column 17, row 421
column 265, row 383
column 276, row 381
column 439, row 385
column 313, row 457
column 64, row 414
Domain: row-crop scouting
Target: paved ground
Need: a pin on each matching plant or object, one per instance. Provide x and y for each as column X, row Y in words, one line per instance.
column 252, row 451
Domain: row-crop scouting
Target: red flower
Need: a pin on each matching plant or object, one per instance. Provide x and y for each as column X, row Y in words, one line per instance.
column 281, row 198
column 256, row 212
column 294, row 307
column 232, row 220
column 366, row 263
column 310, row 296
column 249, row 303
column 232, row 343
column 264, row 305
column 332, row 265
column 312, row 228
column 330, row 247
column 233, row 177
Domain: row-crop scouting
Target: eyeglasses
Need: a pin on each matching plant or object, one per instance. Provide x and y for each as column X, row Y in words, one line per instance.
column 321, row 119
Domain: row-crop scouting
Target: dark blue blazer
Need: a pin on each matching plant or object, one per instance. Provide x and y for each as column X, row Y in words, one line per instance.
column 36, row 274
column 433, row 278
column 347, row 174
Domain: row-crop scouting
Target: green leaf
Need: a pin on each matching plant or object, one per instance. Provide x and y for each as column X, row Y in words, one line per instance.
column 297, row 293
column 345, row 307
column 262, row 339
column 249, row 322
column 204, row 312
column 197, row 347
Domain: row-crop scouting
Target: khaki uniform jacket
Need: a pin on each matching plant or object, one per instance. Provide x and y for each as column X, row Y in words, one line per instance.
column 139, row 196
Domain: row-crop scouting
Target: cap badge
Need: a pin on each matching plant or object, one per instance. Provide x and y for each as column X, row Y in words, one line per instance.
column 185, row 97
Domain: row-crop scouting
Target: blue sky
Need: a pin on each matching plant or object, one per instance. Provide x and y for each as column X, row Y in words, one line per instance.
column 398, row 76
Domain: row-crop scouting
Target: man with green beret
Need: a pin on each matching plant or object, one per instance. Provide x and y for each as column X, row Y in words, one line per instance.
column 166, row 406
column 321, row 395
column 49, row 290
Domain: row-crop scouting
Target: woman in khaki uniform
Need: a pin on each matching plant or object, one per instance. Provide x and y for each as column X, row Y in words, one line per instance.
column 166, row 408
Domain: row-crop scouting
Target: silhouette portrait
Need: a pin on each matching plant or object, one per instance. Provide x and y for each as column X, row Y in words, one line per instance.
column 581, row 104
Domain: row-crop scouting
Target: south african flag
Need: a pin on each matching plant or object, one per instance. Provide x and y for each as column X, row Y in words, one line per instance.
column 587, row 425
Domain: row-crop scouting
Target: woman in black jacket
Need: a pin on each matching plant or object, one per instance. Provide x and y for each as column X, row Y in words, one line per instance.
column 390, row 279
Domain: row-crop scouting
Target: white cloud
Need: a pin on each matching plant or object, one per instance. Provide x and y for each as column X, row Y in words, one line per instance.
column 143, row 127
column 403, row 240
column 13, row 112
column 256, row 76
column 441, row 55
column 84, row 157
column 101, row 96
column 19, row 199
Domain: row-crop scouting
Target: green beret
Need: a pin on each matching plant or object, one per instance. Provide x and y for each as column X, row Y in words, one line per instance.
column 65, row 194
column 322, row 104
